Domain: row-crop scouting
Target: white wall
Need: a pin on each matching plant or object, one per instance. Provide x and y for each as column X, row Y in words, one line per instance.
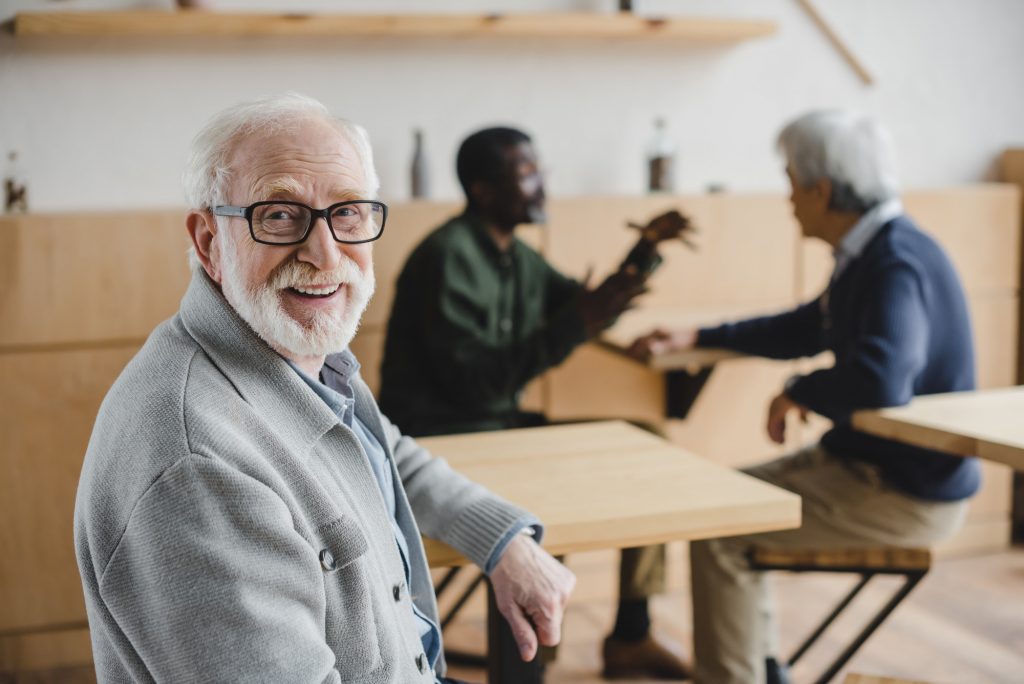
column 105, row 123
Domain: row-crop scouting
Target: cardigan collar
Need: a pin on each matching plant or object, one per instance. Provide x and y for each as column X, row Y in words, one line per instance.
column 260, row 375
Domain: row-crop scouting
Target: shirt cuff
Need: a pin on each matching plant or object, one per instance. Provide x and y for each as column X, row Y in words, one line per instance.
column 711, row 337
column 526, row 525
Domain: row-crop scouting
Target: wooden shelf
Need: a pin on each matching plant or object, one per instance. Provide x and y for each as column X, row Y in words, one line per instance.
column 152, row 23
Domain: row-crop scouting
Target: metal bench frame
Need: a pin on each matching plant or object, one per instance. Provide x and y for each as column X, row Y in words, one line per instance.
column 912, row 576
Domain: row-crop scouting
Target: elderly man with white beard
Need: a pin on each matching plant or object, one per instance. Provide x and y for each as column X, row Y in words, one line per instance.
column 245, row 513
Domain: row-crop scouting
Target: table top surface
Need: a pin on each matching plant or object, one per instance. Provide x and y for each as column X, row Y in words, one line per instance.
column 611, row 485
column 985, row 423
column 637, row 322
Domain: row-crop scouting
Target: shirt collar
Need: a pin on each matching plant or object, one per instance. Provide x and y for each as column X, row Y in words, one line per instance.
column 857, row 238
column 344, row 367
column 486, row 240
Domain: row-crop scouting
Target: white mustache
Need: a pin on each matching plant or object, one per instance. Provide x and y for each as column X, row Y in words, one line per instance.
column 295, row 273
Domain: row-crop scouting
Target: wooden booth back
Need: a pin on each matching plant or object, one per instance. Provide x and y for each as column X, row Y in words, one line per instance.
column 79, row 293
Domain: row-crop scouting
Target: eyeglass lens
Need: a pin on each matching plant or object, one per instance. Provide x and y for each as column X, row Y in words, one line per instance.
column 289, row 222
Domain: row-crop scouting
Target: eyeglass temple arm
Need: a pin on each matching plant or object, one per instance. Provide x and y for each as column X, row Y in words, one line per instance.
column 228, row 210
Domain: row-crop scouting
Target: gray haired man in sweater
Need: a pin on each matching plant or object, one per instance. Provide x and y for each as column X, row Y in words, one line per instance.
column 245, row 512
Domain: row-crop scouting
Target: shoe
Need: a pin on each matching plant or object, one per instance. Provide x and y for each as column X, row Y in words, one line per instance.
column 641, row 659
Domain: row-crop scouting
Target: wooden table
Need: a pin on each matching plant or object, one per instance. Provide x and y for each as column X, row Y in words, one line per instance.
column 685, row 371
column 984, row 423
column 605, row 485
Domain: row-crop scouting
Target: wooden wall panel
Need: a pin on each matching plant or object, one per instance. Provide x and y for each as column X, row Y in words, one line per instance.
column 996, row 328
column 595, row 383
column 978, row 226
column 1011, row 169
column 407, row 225
column 50, row 400
column 994, row 498
column 738, row 236
column 45, row 651
column 71, row 278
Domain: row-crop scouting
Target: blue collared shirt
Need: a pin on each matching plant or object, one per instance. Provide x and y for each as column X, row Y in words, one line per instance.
column 340, row 398
column 335, row 388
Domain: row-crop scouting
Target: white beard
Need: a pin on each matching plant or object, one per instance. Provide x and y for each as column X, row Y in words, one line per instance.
column 260, row 306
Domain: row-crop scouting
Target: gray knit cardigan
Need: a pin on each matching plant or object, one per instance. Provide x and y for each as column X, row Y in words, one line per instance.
column 229, row 528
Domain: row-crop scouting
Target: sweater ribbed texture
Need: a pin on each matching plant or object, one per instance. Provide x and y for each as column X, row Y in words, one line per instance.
column 897, row 322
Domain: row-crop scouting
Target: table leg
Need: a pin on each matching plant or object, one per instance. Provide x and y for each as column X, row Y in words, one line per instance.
column 504, row 666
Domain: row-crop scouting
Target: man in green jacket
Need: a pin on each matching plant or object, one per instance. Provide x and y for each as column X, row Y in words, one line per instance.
column 478, row 314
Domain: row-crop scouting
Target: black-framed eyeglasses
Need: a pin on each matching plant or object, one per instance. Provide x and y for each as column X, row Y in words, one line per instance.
column 280, row 222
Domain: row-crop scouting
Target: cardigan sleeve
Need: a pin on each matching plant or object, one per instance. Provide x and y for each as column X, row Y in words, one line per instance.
column 452, row 508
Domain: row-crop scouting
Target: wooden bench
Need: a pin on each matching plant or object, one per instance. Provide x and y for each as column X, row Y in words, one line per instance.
column 911, row 563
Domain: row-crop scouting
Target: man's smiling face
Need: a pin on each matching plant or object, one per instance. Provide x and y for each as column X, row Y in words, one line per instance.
column 303, row 300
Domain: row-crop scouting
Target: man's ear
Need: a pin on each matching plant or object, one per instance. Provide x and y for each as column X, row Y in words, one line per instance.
column 202, row 228
column 481, row 193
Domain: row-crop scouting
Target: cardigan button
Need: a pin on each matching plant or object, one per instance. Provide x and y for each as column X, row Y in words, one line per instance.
column 421, row 662
column 327, row 560
column 396, row 591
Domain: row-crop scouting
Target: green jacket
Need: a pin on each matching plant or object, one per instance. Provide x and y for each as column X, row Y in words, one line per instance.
column 470, row 327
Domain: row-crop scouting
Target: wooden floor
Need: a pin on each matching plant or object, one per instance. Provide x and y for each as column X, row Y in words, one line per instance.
column 964, row 624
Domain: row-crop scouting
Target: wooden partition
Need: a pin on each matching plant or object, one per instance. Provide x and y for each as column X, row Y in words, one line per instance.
column 1011, row 170
column 80, row 292
column 78, row 295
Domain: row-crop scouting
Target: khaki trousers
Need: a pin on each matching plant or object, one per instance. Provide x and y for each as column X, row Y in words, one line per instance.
column 845, row 504
column 641, row 572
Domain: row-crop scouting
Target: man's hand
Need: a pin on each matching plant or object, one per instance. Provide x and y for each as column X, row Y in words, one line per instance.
column 777, row 412
column 602, row 305
column 660, row 341
column 531, row 589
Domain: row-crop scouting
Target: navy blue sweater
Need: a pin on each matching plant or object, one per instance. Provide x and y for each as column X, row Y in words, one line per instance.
column 897, row 321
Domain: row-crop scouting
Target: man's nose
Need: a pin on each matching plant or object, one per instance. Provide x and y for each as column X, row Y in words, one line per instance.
column 320, row 248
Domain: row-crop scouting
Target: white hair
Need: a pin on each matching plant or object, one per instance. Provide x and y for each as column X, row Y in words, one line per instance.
column 207, row 173
column 851, row 150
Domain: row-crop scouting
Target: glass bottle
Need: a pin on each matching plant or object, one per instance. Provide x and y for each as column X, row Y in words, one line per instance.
column 660, row 159
column 15, row 191
column 418, row 171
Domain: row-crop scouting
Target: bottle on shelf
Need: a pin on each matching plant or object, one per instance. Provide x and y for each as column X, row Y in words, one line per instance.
column 660, row 159
column 418, row 170
column 15, row 190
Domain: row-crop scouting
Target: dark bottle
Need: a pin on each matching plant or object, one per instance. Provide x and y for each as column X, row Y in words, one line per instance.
column 15, row 191
column 418, row 170
column 660, row 159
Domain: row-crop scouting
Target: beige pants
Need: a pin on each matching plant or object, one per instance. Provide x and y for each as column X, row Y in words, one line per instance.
column 845, row 504
column 642, row 572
